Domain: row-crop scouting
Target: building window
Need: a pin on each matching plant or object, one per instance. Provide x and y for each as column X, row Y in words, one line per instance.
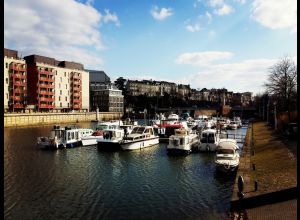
column 66, row 86
column 65, row 74
column 68, row 105
column 60, row 104
column 66, row 98
column 59, row 85
column 60, row 79
column 7, row 95
column 6, row 80
column 58, row 98
column 6, row 65
column 61, row 92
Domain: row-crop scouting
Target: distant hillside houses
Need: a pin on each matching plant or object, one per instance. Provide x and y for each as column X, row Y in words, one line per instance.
column 159, row 88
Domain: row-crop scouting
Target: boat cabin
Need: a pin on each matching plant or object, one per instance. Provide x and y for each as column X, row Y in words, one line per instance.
column 209, row 136
column 113, row 134
column 140, row 132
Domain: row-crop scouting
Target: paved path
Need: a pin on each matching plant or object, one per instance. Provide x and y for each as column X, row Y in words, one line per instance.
column 274, row 166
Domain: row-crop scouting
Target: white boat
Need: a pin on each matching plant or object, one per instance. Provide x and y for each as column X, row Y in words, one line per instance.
column 183, row 141
column 111, row 139
column 62, row 137
column 227, row 157
column 92, row 139
column 140, row 137
column 174, row 117
column 209, row 140
column 233, row 125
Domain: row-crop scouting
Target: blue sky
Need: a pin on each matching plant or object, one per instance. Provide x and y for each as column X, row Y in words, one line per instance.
column 211, row 44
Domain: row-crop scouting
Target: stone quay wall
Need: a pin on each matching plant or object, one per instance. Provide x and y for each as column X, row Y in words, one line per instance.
column 28, row 119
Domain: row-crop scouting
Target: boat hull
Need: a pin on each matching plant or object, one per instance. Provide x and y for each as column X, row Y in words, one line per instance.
column 91, row 140
column 135, row 145
column 108, row 145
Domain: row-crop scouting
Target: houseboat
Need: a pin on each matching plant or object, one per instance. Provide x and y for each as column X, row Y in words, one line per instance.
column 183, row 141
column 62, row 137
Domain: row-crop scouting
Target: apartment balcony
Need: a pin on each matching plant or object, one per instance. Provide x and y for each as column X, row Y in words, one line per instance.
column 46, row 92
column 47, row 72
column 76, row 106
column 18, row 105
column 18, row 76
column 17, row 98
column 47, row 86
column 46, row 79
column 46, row 106
column 19, row 91
column 44, row 99
column 17, row 67
column 19, row 83
column 76, row 101
column 76, row 77
column 76, row 89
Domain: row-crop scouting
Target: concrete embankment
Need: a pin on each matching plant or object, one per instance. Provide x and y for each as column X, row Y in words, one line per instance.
column 27, row 119
column 268, row 166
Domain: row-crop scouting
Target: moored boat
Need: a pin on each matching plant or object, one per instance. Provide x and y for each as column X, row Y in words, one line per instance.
column 209, row 140
column 140, row 137
column 62, row 137
column 111, row 139
column 182, row 141
column 227, row 156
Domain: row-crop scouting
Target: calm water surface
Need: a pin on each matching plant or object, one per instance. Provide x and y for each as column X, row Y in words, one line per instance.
column 84, row 183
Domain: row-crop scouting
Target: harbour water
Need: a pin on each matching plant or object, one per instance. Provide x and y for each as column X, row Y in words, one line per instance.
column 84, row 183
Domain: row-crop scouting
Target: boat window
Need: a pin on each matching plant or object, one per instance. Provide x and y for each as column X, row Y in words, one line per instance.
column 76, row 135
column 69, row 135
column 225, row 151
column 181, row 141
column 101, row 127
column 72, row 135
column 138, row 130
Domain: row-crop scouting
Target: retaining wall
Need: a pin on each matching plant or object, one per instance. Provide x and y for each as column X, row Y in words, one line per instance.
column 24, row 119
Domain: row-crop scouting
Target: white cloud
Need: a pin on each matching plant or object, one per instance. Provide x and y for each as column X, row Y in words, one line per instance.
column 276, row 14
column 193, row 28
column 209, row 16
column 111, row 17
column 214, row 3
column 161, row 14
column 212, row 33
column 46, row 28
column 247, row 75
column 224, row 10
column 202, row 58
column 240, row 1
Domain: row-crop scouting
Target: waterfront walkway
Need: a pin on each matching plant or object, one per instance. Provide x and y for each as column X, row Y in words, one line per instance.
column 270, row 161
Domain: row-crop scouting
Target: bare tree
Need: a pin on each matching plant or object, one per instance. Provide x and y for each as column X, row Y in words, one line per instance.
column 282, row 83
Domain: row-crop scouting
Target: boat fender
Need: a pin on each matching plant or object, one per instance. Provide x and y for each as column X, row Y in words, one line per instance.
column 227, row 166
column 207, row 148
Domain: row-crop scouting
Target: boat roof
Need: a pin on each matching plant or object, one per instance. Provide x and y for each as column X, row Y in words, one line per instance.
column 228, row 144
column 210, row 131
